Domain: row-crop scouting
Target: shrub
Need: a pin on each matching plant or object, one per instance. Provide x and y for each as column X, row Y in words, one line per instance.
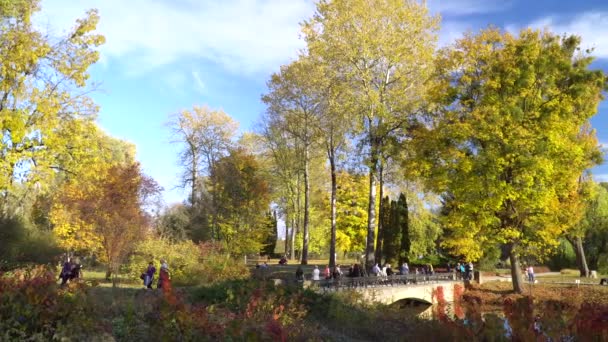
column 33, row 307
column 568, row 271
column 22, row 243
column 564, row 257
column 189, row 263
column 602, row 263
column 182, row 258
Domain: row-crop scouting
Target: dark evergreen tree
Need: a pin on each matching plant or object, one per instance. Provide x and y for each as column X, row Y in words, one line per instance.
column 272, row 234
column 384, row 221
column 392, row 235
column 404, row 229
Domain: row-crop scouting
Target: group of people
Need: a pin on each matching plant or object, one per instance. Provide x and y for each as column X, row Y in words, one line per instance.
column 164, row 279
column 465, row 270
column 354, row 271
column 328, row 273
column 71, row 270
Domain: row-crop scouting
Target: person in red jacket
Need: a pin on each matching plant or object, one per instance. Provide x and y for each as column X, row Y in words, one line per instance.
column 164, row 280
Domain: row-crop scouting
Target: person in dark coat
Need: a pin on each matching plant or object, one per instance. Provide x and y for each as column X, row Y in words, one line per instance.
column 66, row 272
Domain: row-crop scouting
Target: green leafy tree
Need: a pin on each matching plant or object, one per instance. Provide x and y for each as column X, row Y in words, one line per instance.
column 508, row 139
column 282, row 150
column 294, row 104
column 382, row 51
column 595, row 223
column 243, row 198
column 205, row 136
column 391, row 234
column 174, row 223
column 272, row 233
column 404, row 229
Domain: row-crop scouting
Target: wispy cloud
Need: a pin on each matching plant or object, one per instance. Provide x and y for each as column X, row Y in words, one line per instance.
column 468, row 7
column 198, row 82
column 242, row 36
column 451, row 31
column 591, row 26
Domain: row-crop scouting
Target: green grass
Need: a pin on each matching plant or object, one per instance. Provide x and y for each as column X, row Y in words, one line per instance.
column 569, row 276
column 99, row 277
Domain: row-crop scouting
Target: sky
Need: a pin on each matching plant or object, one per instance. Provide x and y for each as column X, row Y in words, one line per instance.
column 163, row 56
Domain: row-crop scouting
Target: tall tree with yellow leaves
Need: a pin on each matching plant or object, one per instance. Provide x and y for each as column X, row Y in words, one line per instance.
column 43, row 101
column 509, row 140
column 382, row 50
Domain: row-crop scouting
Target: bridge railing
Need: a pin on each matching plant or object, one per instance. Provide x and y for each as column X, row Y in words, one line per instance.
column 374, row 281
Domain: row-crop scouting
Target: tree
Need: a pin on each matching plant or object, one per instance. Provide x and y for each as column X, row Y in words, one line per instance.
column 271, row 235
column 105, row 213
column 243, row 198
column 383, row 51
column 294, row 104
column 174, row 223
column 384, row 224
column 396, row 244
column 351, row 215
column 506, row 141
column 594, row 224
column 404, row 229
column 206, row 136
column 43, row 96
column 74, row 233
column 282, row 151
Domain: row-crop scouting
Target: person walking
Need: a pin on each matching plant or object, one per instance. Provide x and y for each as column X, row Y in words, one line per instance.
column 164, row 279
column 149, row 275
column 316, row 273
column 405, row 269
column 327, row 272
column 299, row 274
column 531, row 274
column 66, row 271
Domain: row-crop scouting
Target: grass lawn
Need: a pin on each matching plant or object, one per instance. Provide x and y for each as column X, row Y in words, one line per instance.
column 565, row 277
column 100, row 278
column 570, row 277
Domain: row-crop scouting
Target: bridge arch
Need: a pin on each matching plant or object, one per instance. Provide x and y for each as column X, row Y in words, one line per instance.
column 431, row 293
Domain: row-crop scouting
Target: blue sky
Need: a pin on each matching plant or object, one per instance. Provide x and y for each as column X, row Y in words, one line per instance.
column 162, row 56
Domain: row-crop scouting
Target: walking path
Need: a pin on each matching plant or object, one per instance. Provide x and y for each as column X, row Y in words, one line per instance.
column 507, row 277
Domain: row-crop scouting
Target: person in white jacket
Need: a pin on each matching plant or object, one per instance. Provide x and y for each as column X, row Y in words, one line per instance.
column 316, row 273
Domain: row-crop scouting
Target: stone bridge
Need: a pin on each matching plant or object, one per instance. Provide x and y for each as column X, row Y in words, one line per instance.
column 388, row 290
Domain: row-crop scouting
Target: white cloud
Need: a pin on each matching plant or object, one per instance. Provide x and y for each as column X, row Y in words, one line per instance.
column 451, row 31
column 198, row 82
column 591, row 26
column 604, row 145
column 242, row 36
column 468, row 7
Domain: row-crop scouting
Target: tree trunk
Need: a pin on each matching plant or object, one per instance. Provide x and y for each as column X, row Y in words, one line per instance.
column 404, row 249
column 380, row 239
column 516, row 274
column 371, row 217
column 286, row 253
column 581, row 260
column 334, row 191
column 294, row 231
column 194, row 175
column 305, row 236
column 296, row 227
